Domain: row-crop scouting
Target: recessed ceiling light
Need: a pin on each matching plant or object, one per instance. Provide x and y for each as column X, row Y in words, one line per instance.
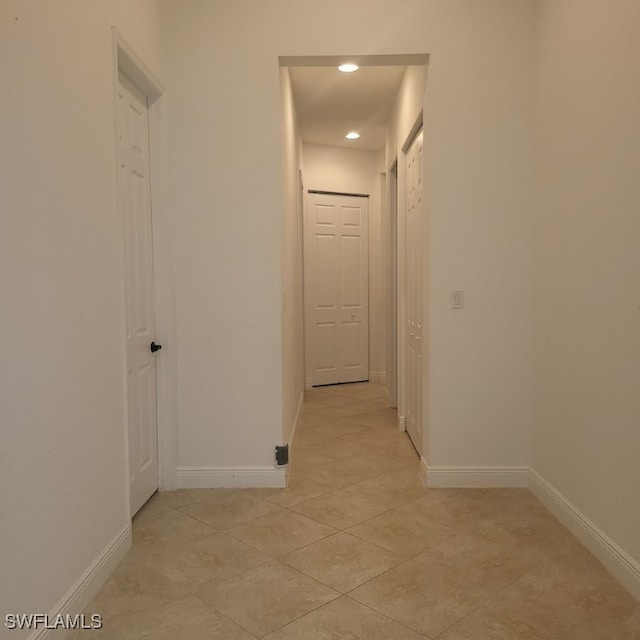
column 348, row 67
column 352, row 135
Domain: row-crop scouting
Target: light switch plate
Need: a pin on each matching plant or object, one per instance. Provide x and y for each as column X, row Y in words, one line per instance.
column 457, row 299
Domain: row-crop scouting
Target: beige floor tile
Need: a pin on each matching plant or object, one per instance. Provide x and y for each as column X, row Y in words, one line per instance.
column 170, row 527
column 389, row 440
column 361, row 465
column 298, row 491
column 361, row 406
column 462, row 509
column 308, row 423
column 380, row 462
column 589, row 599
column 266, row 598
column 529, row 610
column 183, row 497
column 572, row 556
column 337, row 448
column 154, row 507
column 408, row 530
column 342, row 561
column 337, row 474
column 435, row 590
column 344, row 619
column 355, row 466
column 211, row 559
column 426, row 603
column 135, row 587
column 379, row 418
column 315, row 392
column 330, row 411
column 306, row 438
column 359, row 390
column 481, row 564
column 514, row 497
column 305, row 454
column 526, row 528
column 456, row 564
column 230, row 511
column 339, row 509
column 507, row 620
column 186, row 619
column 392, row 489
column 326, row 400
column 333, row 429
column 630, row 629
column 280, row 532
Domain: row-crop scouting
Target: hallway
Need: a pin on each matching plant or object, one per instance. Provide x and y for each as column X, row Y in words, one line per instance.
column 356, row 548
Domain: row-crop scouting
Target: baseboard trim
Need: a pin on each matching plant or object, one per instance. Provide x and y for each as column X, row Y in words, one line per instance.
column 89, row 583
column 402, row 423
column 231, row 477
column 460, row 477
column 378, row 377
column 621, row 565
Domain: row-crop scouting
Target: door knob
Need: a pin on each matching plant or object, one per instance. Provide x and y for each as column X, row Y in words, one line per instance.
column 155, row 347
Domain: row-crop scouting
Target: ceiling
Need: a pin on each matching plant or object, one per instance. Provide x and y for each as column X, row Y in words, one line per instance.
column 330, row 103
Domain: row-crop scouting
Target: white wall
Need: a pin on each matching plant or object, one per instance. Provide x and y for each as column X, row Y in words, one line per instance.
column 356, row 171
column 587, row 260
column 227, row 197
column 63, row 493
column 479, row 184
column 339, row 169
column 478, row 193
column 292, row 301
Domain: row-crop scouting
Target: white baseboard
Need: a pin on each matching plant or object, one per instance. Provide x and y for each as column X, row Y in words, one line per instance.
column 378, row 377
column 615, row 559
column 231, row 477
column 89, row 583
column 402, row 423
column 460, row 477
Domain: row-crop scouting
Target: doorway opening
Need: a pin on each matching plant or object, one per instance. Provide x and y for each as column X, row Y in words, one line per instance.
column 372, row 165
column 148, row 300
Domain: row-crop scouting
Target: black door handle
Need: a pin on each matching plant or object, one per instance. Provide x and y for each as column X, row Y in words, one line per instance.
column 155, row 347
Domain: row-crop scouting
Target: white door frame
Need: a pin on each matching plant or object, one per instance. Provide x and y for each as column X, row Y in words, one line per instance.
column 401, row 280
column 392, row 298
column 128, row 62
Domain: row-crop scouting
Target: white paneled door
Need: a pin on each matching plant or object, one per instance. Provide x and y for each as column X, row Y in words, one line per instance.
column 414, row 265
column 135, row 206
column 336, row 289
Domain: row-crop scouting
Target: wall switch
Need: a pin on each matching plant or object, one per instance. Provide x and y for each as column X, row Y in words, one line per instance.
column 457, row 299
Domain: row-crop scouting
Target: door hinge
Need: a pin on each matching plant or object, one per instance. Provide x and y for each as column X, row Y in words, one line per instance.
column 282, row 455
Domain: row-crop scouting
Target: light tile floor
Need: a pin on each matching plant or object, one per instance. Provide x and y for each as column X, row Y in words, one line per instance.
column 356, row 548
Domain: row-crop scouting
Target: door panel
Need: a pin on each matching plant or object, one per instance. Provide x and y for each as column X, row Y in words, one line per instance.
column 135, row 205
column 336, row 263
column 414, row 261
